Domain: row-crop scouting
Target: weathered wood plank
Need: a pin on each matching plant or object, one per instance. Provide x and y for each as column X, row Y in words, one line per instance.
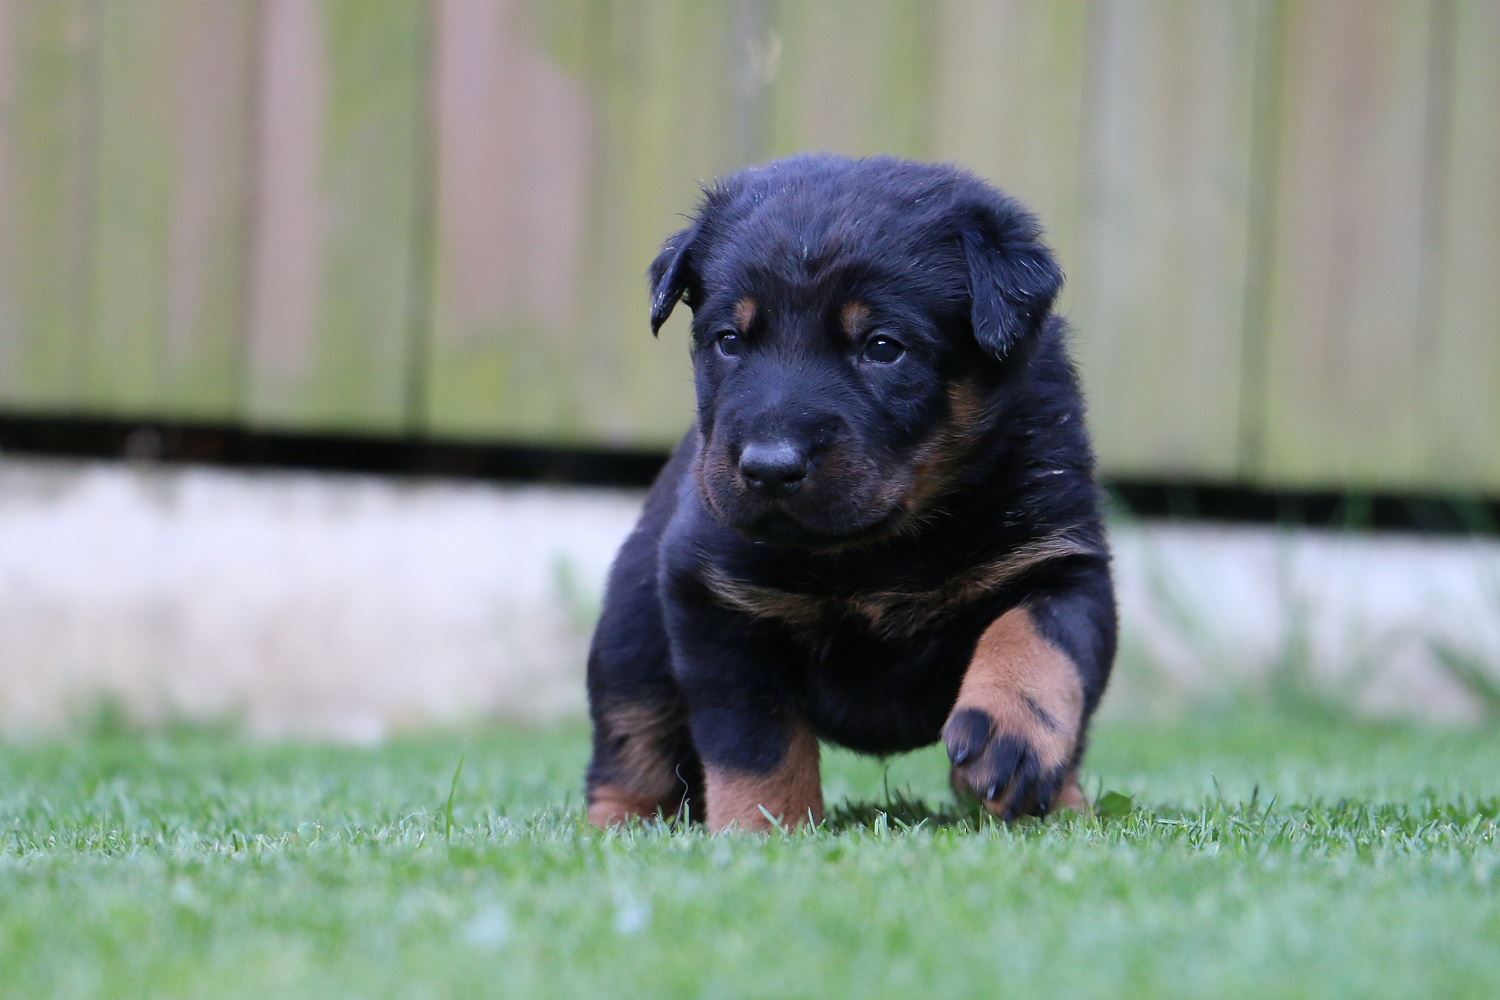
column 1008, row 102
column 1339, row 405
column 46, row 60
column 849, row 81
column 666, row 81
column 1460, row 441
column 514, row 133
column 171, row 198
column 568, row 147
column 340, row 109
column 1162, row 291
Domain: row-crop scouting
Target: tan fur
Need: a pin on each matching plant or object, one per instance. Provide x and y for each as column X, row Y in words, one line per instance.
column 792, row 793
column 939, row 457
column 892, row 614
column 1071, row 797
column 1011, row 663
column 611, row 805
column 764, row 602
column 896, row 613
column 713, row 465
column 645, row 728
column 744, row 314
column 853, row 317
column 644, row 780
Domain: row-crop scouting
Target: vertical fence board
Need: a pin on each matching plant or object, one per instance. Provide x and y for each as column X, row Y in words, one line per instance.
column 340, row 102
column 1167, row 232
column 167, row 296
column 569, row 147
column 1461, row 426
column 1340, row 403
column 666, row 84
column 46, row 58
column 853, row 82
column 1008, row 81
column 513, row 126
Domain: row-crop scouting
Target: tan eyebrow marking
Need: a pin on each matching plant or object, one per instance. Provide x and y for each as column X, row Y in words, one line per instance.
column 744, row 313
column 853, row 318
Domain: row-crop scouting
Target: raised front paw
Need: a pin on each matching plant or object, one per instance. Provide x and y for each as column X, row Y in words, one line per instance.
column 1014, row 734
column 1017, row 760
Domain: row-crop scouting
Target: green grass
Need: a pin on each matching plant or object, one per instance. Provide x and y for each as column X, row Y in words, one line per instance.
column 1244, row 856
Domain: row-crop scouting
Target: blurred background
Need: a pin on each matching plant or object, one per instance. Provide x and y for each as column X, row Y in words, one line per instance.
column 400, row 246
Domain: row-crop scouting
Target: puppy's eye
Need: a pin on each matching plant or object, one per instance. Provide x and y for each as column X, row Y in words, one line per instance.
column 883, row 350
column 729, row 344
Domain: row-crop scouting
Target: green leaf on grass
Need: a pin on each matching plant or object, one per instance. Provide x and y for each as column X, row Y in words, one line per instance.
column 1114, row 804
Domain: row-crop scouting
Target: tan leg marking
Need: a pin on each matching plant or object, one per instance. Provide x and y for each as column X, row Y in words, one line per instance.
column 1071, row 797
column 1030, row 691
column 643, row 778
column 611, row 805
column 791, row 793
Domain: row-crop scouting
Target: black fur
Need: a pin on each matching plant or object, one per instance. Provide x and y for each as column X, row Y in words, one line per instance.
column 958, row 275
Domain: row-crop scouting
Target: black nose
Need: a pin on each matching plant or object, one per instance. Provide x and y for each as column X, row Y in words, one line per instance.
column 774, row 470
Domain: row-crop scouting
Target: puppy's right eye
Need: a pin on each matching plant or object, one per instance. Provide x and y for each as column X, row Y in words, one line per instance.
column 729, row 344
column 884, row 350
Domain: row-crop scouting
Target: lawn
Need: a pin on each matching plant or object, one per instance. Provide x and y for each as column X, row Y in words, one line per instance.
column 1240, row 855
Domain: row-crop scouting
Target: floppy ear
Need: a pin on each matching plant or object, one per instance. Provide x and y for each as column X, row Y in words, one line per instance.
column 1012, row 277
column 671, row 274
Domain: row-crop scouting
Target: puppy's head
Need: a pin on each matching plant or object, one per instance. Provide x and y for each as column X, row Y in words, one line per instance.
column 849, row 319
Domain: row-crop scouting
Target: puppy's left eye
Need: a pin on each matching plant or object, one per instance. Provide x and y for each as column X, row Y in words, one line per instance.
column 883, row 350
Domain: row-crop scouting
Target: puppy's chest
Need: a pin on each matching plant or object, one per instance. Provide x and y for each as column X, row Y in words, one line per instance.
column 897, row 612
column 818, row 614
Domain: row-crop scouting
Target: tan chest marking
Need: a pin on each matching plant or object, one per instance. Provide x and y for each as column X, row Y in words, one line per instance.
column 891, row 614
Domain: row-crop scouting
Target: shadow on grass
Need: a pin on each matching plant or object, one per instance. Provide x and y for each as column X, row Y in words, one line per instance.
column 906, row 812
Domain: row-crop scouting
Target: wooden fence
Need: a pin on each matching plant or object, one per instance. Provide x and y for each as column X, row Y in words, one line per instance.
column 1281, row 218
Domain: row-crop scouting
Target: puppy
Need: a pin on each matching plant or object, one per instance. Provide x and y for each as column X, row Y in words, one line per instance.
column 883, row 529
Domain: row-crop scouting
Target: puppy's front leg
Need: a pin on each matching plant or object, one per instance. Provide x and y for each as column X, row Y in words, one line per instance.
column 757, row 770
column 760, row 757
column 1016, row 732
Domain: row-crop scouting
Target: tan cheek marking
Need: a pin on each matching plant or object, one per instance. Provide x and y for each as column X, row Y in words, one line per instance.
column 938, row 458
column 712, row 466
column 792, row 793
column 1013, row 669
column 965, row 407
column 853, row 317
column 744, row 314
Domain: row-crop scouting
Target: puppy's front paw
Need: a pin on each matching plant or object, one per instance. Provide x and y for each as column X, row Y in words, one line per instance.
column 1014, row 733
column 1015, row 759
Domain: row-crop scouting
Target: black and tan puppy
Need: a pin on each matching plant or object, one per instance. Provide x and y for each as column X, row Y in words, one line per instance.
column 884, row 528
